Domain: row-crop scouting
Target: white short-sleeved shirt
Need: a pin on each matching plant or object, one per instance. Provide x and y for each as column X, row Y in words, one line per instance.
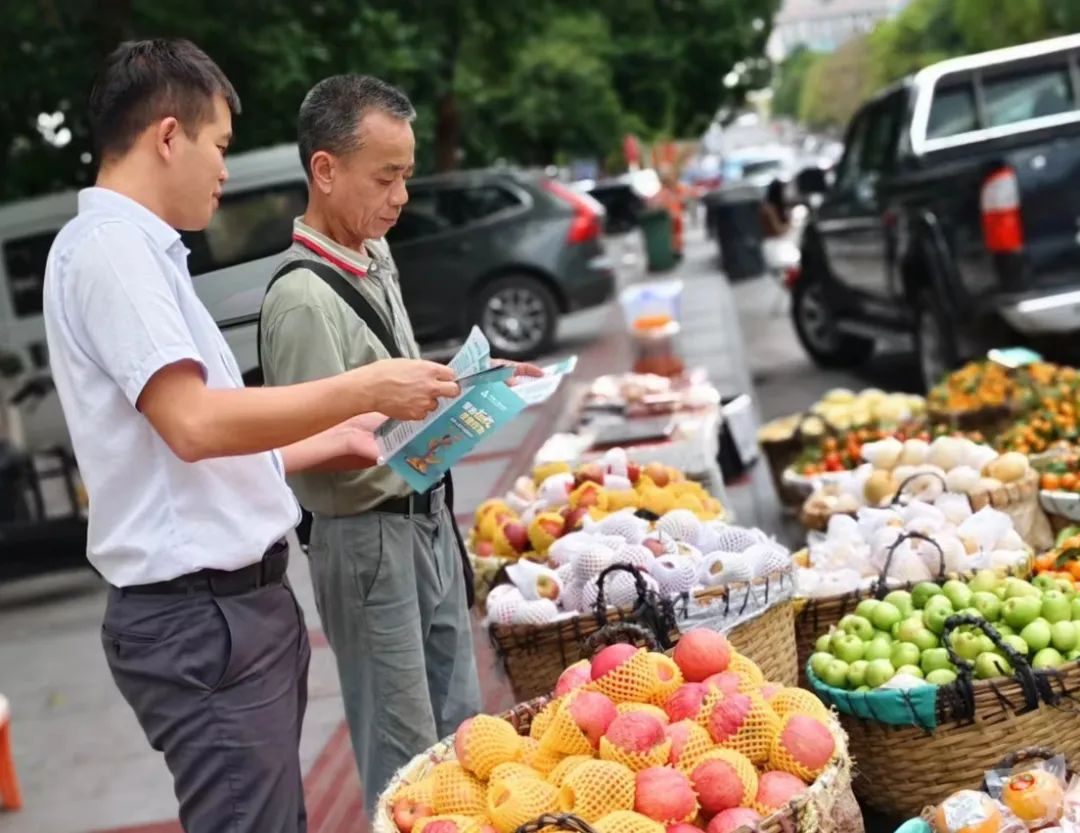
column 119, row 306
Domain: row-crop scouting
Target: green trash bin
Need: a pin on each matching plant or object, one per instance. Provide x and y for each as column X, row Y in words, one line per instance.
column 657, row 228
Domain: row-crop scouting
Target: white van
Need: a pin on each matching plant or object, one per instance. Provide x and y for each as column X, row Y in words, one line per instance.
column 231, row 263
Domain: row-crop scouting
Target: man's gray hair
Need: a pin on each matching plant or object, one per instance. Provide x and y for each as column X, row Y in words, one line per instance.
column 333, row 108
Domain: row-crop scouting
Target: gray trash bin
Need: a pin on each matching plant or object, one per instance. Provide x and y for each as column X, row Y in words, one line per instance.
column 734, row 217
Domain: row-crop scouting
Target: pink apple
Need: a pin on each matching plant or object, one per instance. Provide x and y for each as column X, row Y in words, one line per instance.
column 718, row 785
column 593, row 713
column 685, row 703
column 702, row 653
column 731, row 820
column 485, row 549
column 611, row 658
column 726, row 681
column 635, row 732
column 577, row 675
column 664, row 795
column 776, row 789
column 407, row 813
column 517, row 535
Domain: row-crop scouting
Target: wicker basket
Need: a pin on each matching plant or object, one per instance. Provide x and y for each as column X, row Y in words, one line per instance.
column 989, row 421
column 902, row 769
column 828, row 806
column 533, row 656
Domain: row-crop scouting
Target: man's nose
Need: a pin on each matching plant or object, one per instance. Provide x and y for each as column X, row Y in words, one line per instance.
column 400, row 195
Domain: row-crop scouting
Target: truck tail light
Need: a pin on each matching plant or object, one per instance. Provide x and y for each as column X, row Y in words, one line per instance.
column 586, row 225
column 1002, row 224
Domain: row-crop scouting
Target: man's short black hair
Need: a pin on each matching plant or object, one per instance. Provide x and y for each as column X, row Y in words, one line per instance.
column 144, row 81
column 333, row 108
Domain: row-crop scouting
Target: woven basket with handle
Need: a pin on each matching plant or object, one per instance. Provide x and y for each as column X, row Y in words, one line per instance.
column 828, row 806
column 533, row 656
column 902, row 769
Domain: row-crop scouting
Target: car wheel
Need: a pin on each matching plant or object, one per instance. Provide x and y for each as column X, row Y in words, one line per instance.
column 815, row 325
column 934, row 342
column 518, row 315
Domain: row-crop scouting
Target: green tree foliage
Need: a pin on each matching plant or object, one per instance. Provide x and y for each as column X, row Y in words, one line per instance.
column 791, row 77
column 836, row 85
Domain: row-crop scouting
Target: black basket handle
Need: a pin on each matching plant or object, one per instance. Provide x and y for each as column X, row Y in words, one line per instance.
column 882, row 581
column 561, row 821
column 615, row 632
column 652, row 612
column 900, row 489
column 1022, row 671
column 600, row 609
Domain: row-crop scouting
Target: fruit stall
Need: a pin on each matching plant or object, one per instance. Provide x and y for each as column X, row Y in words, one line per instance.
column 917, row 654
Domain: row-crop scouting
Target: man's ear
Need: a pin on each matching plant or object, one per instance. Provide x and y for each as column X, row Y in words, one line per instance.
column 323, row 168
column 165, row 135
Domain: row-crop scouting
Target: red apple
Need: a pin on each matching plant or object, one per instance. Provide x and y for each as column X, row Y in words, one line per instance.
column 657, row 473
column 685, row 703
column 725, row 681
column 590, row 472
column 517, row 535
column 700, row 653
column 731, row 820
column 664, row 795
column 407, row 813
column 635, row 732
column 547, row 588
column 574, row 518
column 593, row 714
column 633, row 472
column 485, row 549
column 655, row 546
column 611, row 657
column 575, row 676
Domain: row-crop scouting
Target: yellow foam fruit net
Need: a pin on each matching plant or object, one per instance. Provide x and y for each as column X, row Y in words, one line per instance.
column 636, row 761
column 698, row 742
column 644, row 708
column 634, row 681
column 625, row 821
column 565, row 767
column 596, row 788
column 750, row 675
column 564, row 737
column 457, row 792
column 489, row 741
column 540, row 759
column 420, row 792
column 744, row 770
column 511, row 770
column 667, row 676
column 547, row 714
column 783, row 758
column 516, row 801
column 465, row 824
column 756, row 731
column 797, row 700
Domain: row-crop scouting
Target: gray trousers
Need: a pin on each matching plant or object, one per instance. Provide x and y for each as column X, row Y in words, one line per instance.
column 219, row 685
column 391, row 595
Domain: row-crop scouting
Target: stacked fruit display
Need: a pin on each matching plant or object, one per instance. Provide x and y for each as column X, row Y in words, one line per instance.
column 556, row 501
column 675, row 555
column 1051, row 420
column 897, row 642
column 844, row 409
column 635, row 741
column 1063, row 561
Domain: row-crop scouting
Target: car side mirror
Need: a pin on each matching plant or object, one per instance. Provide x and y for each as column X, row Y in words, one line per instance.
column 810, row 181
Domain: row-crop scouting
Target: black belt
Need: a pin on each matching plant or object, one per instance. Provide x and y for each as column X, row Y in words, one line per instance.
column 271, row 570
column 430, row 502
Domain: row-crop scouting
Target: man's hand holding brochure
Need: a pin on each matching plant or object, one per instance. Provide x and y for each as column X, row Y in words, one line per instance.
column 422, row 451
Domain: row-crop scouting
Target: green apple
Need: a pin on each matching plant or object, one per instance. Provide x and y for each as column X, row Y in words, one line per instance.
column 819, row 662
column 894, row 631
column 856, row 673
column 901, row 600
column 937, row 610
column 1044, row 581
column 925, row 639
column 862, row 689
column 1066, row 586
column 1020, row 611
column 984, row 581
column 991, row 665
column 933, row 659
column 1073, row 655
column 850, row 648
column 836, row 674
column 885, row 615
column 1017, row 643
column 878, row 649
column 884, row 636
column 1075, row 606
column 967, row 645
column 857, row 626
column 866, row 607
column 1037, row 635
column 1000, row 591
column 973, row 612
column 879, row 672
column 1004, row 629
column 987, row 643
column 987, row 604
column 822, row 643
column 1056, row 607
column 904, row 653
column 911, row 670
column 906, row 630
column 941, row 676
column 922, row 591
column 1047, row 658
column 957, row 592
column 1063, row 636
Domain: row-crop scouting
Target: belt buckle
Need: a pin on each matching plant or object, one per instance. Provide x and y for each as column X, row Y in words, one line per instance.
column 438, row 499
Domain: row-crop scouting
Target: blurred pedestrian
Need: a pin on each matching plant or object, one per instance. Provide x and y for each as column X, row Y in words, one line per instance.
column 391, row 577
column 184, row 468
column 775, row 212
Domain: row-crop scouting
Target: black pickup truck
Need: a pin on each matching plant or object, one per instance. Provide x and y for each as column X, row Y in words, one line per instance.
column 953, row 218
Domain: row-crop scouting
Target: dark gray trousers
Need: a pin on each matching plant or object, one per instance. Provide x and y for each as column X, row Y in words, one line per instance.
column 219, row 685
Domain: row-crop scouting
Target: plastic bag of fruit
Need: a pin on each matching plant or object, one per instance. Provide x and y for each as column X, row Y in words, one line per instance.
column 1036, row 795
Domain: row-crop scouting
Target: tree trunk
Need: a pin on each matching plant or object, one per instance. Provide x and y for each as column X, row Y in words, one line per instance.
column 447, row 133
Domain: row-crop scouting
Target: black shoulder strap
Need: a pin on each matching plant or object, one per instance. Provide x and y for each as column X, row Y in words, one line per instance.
column 337, row 282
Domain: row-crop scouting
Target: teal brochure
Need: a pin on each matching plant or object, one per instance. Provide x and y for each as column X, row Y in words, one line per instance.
column 421, row 452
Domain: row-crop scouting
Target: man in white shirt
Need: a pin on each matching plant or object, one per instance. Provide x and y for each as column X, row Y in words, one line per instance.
column 183, row 466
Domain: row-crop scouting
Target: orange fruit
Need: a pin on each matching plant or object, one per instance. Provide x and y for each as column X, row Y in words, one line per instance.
column 1035, row 797
column 967, row 811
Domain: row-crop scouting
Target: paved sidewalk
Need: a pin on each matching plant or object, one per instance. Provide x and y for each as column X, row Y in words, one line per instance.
column 82, row 760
